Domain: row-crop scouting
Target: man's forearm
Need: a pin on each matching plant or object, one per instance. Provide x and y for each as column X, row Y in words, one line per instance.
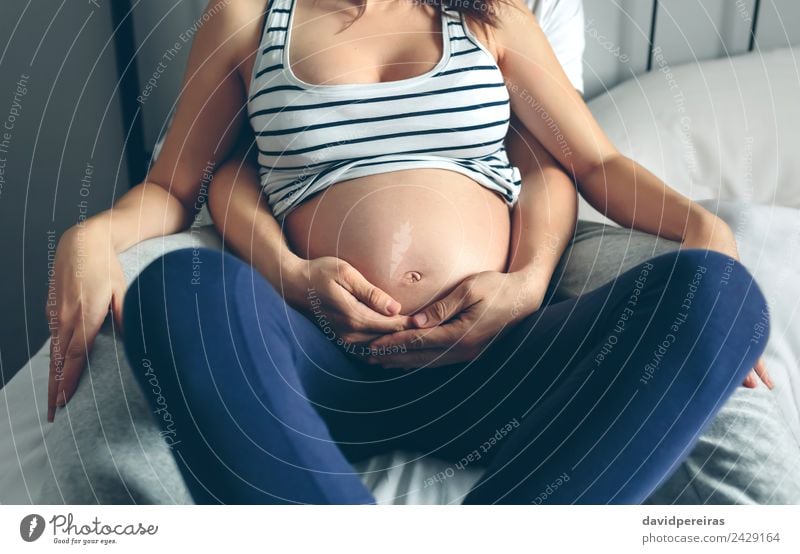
column 542, row 223
column 632, row 196
column 147, row 210
column 258, row 239
column 244, row 220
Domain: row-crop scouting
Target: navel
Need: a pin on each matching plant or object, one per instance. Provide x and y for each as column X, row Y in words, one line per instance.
column 412, row 277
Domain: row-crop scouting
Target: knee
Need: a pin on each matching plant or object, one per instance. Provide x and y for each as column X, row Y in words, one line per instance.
column 186, row 270
column 195, row 298
column 186, row 266
column 164, row 294
column 166, row 315
column 712, row 291
column 720, row 279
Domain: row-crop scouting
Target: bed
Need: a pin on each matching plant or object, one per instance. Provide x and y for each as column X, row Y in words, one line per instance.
column 724, row 132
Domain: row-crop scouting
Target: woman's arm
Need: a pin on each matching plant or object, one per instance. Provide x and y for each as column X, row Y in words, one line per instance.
column 548, row 105
column 209, row 115
column 88, row 277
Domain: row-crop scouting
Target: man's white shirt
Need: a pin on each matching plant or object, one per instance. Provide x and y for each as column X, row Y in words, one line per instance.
column 563, row 23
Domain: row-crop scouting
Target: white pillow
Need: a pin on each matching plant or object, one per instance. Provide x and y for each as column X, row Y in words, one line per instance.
column 726, row 128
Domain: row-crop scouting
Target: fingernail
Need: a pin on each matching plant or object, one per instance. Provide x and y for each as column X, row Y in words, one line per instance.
column 392, row 306
column 420, row 319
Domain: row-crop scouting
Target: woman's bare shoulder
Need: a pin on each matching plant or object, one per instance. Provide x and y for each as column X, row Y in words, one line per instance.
column 509, row 13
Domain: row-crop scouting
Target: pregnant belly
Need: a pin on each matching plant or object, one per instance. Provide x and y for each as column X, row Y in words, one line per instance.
column 415, row 233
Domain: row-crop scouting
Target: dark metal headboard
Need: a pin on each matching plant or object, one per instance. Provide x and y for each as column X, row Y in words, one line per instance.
column 754, row 26
column 654, row 18
column 128, row 75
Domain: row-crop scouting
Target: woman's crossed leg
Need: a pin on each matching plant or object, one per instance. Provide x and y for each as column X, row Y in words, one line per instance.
column 589, row 400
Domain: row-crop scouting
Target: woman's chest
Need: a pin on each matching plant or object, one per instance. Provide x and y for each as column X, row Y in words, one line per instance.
column 323, row 49
column 317, row 46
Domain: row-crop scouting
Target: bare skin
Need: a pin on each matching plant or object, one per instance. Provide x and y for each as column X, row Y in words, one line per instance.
column 485, row 294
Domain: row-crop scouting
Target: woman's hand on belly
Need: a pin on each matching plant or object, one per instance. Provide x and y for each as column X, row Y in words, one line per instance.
column 461, row 325
column 338, row 298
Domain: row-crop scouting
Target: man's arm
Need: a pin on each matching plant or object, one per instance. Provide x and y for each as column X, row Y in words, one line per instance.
column 543, row 220
column 544, row 217
column 545, row 101
column 88, row 278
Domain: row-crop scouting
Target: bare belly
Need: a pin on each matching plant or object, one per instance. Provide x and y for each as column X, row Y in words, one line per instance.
column 415, row 234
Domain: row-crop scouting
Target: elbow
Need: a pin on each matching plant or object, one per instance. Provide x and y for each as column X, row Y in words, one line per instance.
column 183, row 207
column 586, row 168
column 702, row 222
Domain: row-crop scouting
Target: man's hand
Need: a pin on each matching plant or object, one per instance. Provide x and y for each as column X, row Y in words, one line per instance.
column 88, row 280
column 458, row 327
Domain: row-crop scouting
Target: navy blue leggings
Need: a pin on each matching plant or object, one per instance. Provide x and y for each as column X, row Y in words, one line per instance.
column 591, row 400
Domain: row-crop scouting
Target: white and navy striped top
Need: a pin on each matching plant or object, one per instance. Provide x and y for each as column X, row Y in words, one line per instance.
column 310, row 137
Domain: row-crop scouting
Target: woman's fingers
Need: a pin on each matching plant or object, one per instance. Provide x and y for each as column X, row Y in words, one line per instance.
column 367, row 293
column 357, row 310
column 751, row 381
column 373, row 310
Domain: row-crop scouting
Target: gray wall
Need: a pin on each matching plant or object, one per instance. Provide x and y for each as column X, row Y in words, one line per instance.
column 64, row 117
column 159, row 26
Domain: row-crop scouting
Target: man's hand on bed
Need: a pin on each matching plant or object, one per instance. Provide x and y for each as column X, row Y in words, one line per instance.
column 758, row 372
column 87, row 280
column 458, row 327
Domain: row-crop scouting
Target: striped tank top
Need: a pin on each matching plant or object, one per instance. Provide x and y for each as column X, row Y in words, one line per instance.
column 311, row 136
